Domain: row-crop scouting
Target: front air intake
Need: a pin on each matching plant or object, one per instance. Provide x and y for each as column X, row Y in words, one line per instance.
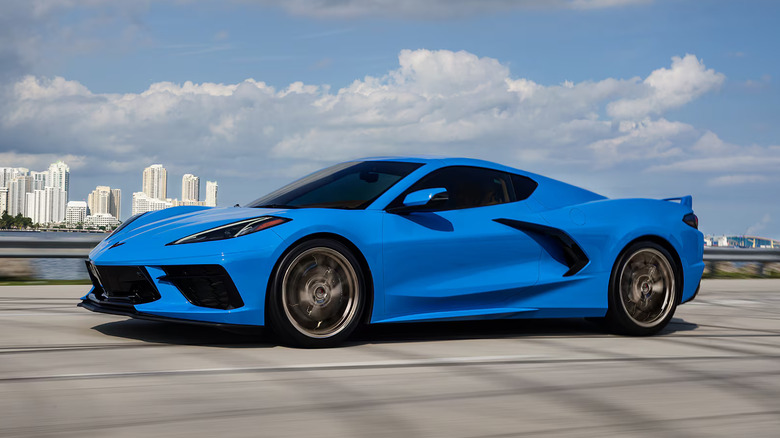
column 122, row 284
column 204, row 285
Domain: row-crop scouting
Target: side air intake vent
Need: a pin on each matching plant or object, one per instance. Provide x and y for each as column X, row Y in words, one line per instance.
column 204, row 285
column 556, row 242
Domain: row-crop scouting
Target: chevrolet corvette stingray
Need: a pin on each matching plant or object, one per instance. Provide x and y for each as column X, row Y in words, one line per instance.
column 389, row 240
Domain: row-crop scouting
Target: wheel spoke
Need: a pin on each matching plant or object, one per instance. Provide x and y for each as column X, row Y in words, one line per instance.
column 647, row 287
column 320, row 292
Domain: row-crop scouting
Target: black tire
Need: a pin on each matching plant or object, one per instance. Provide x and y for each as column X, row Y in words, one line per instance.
column 317, row 295
column 644, row 290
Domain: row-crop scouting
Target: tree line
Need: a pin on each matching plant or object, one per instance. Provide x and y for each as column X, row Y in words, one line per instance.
column 19, row 222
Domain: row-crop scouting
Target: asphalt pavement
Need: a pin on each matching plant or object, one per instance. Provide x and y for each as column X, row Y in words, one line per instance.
column 715, row 371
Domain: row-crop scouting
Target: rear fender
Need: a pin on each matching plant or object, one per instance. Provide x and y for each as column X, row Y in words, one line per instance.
column 604, row 228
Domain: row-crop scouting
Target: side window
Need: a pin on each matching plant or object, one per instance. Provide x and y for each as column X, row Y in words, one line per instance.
column 467, row 187
column 524, row 186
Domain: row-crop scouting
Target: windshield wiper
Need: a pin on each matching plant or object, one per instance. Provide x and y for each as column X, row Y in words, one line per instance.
column 274, row 206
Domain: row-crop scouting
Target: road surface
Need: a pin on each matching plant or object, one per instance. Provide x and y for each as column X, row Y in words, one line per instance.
column 715, row 371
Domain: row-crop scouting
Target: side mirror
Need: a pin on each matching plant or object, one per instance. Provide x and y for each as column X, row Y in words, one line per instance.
column 421, row 198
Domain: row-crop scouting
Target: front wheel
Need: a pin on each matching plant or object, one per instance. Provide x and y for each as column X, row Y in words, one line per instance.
column 317, row 295
column 644, row 290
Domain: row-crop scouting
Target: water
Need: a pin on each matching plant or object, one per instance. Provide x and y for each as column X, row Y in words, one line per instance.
column 59, row 269
column 55, row 269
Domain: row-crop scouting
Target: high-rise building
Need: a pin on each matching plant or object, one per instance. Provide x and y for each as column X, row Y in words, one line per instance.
column 19, row 187
column 211, row 193
column 5, row 176
column 115, row 209
column 3, row 200
column 75, row 212
column 56, row 203
column 59, row 176
column 105, row 200
column 155, row 182
column 46, row 206
column 37, row 195
column 32, row 209
column 9, row 173
column 190, row 187
column 39, row 180
column 99, row 199
column 143, row 203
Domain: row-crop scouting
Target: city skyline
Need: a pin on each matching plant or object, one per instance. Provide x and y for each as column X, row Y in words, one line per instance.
column 41, row 196
column 153, row 196
column 42, row 190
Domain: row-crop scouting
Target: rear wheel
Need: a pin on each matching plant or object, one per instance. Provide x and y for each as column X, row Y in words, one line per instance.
column 318, row 294
column 644, row 290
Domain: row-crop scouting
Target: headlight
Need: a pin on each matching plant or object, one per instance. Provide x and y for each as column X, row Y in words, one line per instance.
column 235, row 229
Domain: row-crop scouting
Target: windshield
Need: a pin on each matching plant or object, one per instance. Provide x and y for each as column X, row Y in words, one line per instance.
column 353, row 185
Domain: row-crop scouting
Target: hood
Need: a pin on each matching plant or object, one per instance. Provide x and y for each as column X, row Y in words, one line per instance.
column 165, row 226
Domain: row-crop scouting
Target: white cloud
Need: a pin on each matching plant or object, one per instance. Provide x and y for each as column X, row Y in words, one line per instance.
column 253, row 137
column 665, row 89
column 738, row 179
column 710, row 154
column 440, row 102
column 40, row 161
column 644, row 140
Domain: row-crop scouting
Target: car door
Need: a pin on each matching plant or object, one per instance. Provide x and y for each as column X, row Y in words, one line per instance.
column 454, row 260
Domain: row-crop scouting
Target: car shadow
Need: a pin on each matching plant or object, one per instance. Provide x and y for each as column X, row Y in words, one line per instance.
column 186, row 334
column 496, row 329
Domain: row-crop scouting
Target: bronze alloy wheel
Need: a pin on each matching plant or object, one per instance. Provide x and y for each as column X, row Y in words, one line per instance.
column 644, row 290
column 318, row 294
column 647, row 288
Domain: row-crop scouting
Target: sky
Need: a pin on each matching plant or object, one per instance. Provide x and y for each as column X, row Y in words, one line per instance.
column 628, row 98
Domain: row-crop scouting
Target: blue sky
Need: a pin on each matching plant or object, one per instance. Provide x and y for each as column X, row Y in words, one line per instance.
column 585, row 91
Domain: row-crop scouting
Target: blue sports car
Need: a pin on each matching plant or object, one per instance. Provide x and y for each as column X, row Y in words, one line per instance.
column 385, row 240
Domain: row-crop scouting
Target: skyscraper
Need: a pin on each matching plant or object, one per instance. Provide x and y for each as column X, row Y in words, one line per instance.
column 46, row 206
column 19, row 187
column 190, row 187
column 115, row 209
column 105, row 200
column 155, row 182
column 59, row 176
column 9, row 173
column 3, row 199
column 39, row 180
column 211, row 193
column 98, row 200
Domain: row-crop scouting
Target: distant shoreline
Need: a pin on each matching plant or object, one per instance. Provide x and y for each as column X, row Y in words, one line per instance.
column 53, row 230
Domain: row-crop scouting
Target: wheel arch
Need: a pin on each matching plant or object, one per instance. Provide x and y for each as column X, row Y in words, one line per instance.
column 366, row 318
column 665, row 244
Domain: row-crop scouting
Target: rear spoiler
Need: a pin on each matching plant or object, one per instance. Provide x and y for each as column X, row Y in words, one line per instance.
column 685, row 201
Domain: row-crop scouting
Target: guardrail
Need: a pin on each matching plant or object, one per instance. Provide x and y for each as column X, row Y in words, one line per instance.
column 758, row 255
column 70, row 246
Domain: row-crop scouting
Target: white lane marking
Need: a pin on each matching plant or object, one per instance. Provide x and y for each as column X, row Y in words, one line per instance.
column 733, row 302
column 308, row 367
